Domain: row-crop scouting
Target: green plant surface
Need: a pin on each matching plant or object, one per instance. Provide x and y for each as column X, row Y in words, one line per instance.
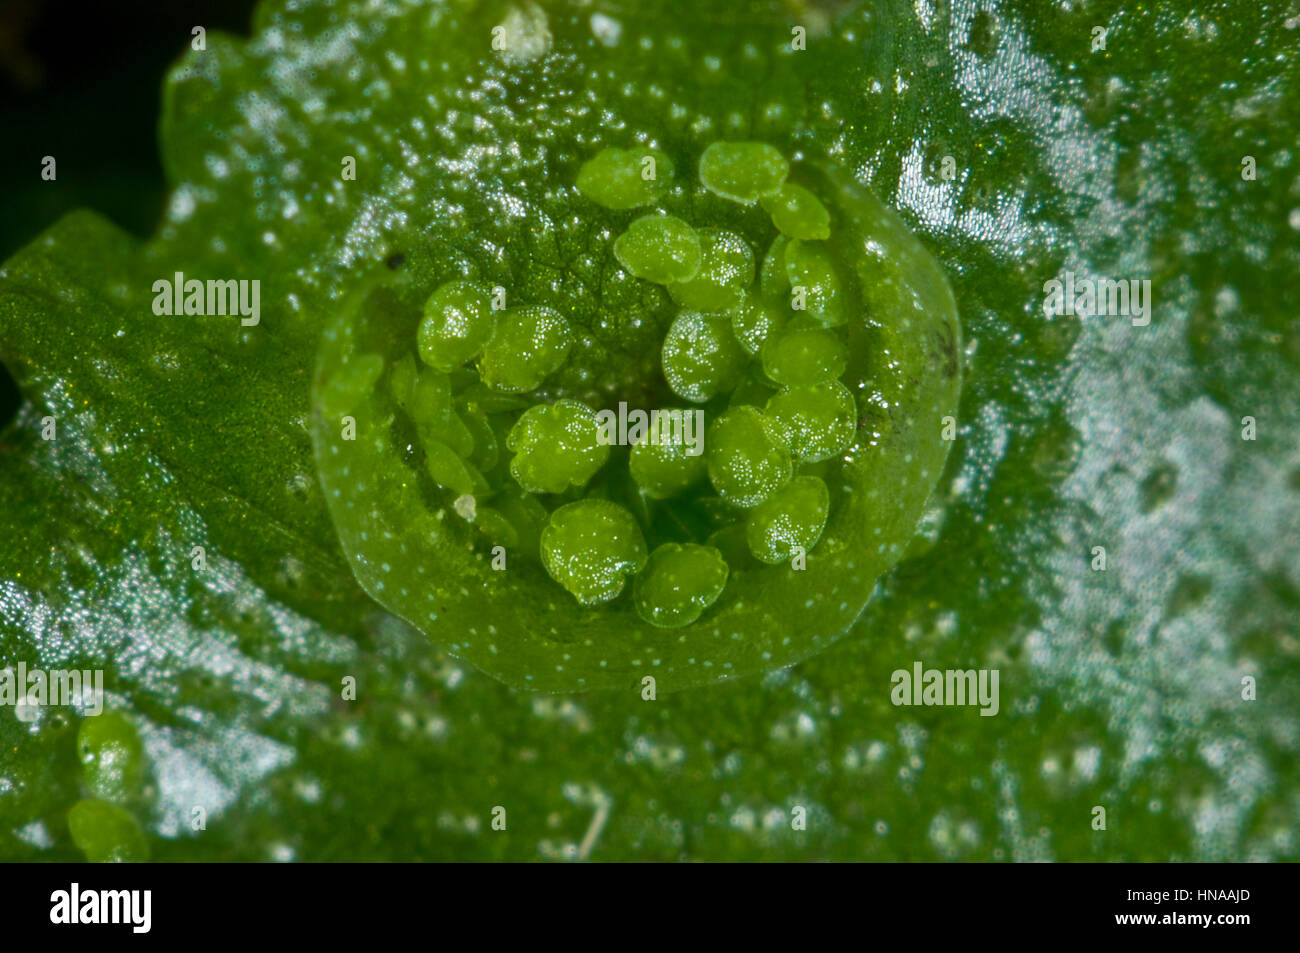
column 174, row 532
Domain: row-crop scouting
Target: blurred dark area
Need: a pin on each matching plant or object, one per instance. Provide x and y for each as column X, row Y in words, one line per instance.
column 82, row 82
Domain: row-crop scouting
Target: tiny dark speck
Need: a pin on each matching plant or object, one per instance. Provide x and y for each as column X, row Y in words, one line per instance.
column 396, row 260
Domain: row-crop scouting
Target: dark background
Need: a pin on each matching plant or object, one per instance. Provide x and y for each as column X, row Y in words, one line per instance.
column 82, row 81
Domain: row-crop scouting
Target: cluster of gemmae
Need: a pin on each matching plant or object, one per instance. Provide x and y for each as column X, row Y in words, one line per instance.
column 764, row 342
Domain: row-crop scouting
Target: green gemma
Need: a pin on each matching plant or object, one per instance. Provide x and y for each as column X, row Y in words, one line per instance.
column 112, row 758
column 665, row 468
column 802, row 354
column 679, row 583
column 425, row 394
column 797, row 213
column 701, row 357
column 794, row 515
column 773, row 280
column 808, row 269
column 457, row 324
column 516, row 519
column 591, row 547
column 447, row 427
column 816, row 421
column 660, row 248
column 743, row 171
column 747, row 460
column 752, row 321
column 451, row 470
column 529, row 345
column 624, row 178
column 556, row 446
column 726, row 270
column 106, row 833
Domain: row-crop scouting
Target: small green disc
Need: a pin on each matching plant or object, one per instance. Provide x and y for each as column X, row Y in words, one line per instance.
column 660, row 248
column 624, row 178
column 668, row 465
column 678, row 583
column 726, row 270
column 747, row 461
column 457, row 324
column 798, row 213
column 794, row 515
column 817, row 421
column 743, row 171
column 808, row 267
column 800, row 355
column 530, row 344
column 590, row 548
column 701, row 357
column 556, row 446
